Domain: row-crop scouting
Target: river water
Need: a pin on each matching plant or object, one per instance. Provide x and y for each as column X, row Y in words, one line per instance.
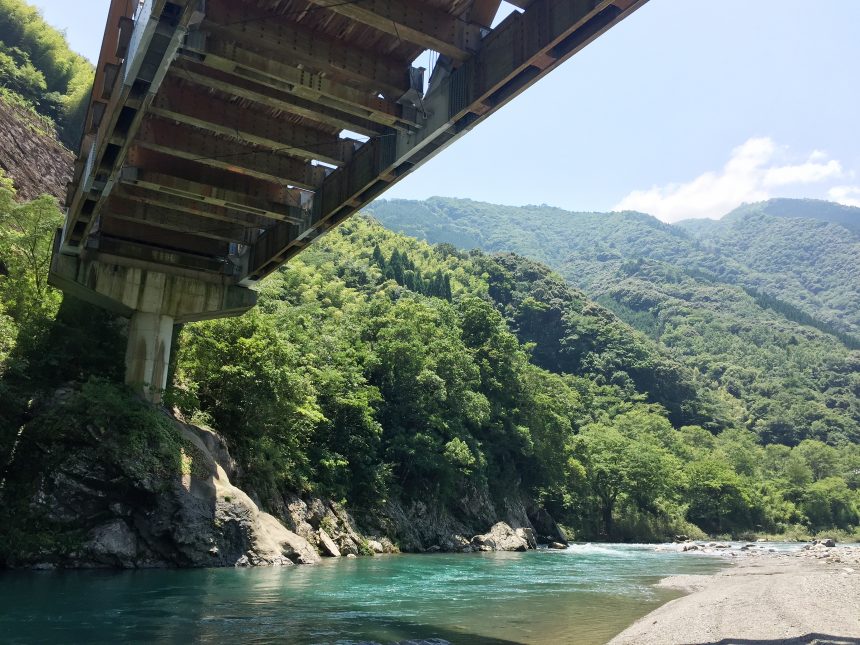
column 583, row 596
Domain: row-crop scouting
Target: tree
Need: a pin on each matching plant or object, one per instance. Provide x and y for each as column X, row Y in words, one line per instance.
column 830, row 503
column 378, row 258
column 822, row 459
column 718, row 499
column 617, row 464
column 26, row 242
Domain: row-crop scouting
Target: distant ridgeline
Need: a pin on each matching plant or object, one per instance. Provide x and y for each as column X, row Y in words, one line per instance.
column 38, row 69
column 762, row 306
column 817, row 209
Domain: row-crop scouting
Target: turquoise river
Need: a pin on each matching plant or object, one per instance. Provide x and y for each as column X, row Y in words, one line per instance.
column 584, row 595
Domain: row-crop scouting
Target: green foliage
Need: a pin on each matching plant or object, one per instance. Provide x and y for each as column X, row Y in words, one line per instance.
column 37, row 64
column 758, row 311
column 349, row 382
column 26, row 239
column 263, row 406
column 43, row 343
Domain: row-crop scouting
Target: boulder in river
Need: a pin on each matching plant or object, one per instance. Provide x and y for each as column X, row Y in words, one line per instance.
column 500, row 537
column 557, row 545
column 327, row 545
column 528, row 535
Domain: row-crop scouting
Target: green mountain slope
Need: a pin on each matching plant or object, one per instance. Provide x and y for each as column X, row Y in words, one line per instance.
column 782, row 377
column 805, row 252
column 817, row 209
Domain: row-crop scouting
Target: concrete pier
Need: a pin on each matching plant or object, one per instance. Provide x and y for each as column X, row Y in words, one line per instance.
column 154, row 301
column 147, row 354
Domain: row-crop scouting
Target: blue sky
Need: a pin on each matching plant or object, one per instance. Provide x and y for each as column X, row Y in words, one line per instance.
column 686, row 109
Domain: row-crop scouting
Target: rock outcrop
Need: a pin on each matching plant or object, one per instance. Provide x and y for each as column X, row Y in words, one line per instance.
column 97, row 499
column 427, row 528
column 327, row 545
column 502, row 537
column 194, row 518
column 31, row 155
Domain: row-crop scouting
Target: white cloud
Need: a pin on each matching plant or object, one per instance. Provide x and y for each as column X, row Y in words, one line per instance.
column 753, row 169
column 806, row 173
column 848, row 195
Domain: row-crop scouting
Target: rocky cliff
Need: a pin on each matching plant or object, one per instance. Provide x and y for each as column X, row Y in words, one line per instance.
column 144, row 490
column 98, row 479
column 31, row 155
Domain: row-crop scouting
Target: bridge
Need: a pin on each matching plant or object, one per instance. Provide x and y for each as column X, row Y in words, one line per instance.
column 223, row 136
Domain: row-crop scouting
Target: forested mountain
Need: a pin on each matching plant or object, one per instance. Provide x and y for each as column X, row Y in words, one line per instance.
column 804, row 252
column 780, row 370
column 816, row 209
column 39, row 71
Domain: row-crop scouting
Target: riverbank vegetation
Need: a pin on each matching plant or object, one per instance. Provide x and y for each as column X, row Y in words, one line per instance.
column 378, row 367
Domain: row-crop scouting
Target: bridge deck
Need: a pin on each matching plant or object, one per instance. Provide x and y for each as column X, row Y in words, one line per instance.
column 226, row 134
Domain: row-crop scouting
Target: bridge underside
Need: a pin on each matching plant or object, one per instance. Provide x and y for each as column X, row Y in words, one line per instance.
column 225, row 135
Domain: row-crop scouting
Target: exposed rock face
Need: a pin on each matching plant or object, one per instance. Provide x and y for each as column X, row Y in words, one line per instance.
column 113, row 543
column 35, row 160
column 197, row 519
column 327, row 545
column 546, row 528
column 501, row 537
column 322, row 521
column 421, row 527
column 106, row 505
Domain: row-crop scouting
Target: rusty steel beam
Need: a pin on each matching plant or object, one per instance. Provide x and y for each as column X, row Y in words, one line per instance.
column 483, row 12
column 251, row 90
column 199, row 172
column 196, row 145
column 125, row 253
column 413, row 22
column 122, row 208
column 193, row 105
column 148, row 234
column 199, row 211
column 141, row 74
column 232, row 58
column 211, row 193
column 274, row 36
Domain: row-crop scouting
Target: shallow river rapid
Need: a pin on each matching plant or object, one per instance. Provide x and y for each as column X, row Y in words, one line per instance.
column 583, row 596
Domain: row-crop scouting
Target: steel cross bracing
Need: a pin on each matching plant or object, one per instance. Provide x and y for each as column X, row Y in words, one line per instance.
column 224, row 135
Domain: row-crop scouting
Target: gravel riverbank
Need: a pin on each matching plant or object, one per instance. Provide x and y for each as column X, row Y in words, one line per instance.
column 769, row 597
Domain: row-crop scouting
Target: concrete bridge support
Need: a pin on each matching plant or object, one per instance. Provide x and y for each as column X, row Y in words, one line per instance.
column 147, row 354
column 154, row 301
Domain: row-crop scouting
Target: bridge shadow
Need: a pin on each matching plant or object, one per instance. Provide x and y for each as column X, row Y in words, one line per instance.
column 80, row 342
column 435, row 635
column 806, row 639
